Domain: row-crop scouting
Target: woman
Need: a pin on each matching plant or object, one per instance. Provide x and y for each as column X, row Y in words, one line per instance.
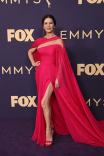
column 60, row 101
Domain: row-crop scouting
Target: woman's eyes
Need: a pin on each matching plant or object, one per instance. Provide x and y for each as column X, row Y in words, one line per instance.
column 49, row 23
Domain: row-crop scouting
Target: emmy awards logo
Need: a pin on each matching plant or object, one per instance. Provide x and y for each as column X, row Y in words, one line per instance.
column 26, row 1
column 49, row 4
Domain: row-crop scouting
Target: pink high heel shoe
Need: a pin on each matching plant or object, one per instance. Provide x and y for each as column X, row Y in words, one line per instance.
column 50, row 142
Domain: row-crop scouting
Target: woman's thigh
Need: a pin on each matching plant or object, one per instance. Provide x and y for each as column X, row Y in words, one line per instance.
column 47, row 95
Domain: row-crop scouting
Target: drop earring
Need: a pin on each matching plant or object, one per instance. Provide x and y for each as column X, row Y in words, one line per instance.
column 43, row 32
column 54, row 30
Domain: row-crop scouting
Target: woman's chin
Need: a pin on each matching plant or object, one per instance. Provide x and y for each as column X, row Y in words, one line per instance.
column 49, row 31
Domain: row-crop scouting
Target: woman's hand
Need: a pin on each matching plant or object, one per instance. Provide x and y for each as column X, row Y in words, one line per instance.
column 36, row 63
column 30, row 55
column 56, row 84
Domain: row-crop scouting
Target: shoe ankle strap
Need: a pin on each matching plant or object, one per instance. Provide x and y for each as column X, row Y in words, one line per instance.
column 48, row 130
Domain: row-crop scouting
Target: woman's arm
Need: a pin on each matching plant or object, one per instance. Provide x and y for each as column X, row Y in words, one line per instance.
column 30, row 55
column 59, row 64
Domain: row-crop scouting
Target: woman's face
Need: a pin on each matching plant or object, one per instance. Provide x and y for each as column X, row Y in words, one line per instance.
column 48, row 25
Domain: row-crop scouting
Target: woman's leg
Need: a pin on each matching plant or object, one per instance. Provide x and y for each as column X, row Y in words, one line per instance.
column 45, row 104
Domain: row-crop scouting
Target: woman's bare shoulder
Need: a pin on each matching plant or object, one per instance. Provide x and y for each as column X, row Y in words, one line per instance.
column 60, row 41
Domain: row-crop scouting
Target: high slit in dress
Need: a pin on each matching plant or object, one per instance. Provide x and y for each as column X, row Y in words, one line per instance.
column 70, row 113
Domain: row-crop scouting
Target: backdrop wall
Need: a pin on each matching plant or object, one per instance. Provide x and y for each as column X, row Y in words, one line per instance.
column 79, row 23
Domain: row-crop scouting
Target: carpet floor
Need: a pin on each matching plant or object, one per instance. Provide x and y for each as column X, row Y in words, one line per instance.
column 15, row 140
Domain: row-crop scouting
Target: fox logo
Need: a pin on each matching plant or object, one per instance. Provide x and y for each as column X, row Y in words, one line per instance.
column 91, row 1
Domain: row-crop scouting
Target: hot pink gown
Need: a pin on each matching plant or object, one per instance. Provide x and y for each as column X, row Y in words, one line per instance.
column 70, row 113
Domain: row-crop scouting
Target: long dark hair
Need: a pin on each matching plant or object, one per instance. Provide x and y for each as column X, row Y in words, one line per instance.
column 50, row 16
